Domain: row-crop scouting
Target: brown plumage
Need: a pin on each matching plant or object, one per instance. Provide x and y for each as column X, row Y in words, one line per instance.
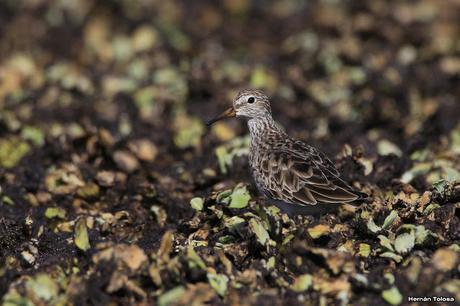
column 284, row 169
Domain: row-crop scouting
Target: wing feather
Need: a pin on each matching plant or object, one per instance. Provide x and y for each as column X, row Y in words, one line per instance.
column 303, row 176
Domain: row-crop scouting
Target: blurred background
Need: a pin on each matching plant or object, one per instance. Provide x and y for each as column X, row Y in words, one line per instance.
column 364, row 72
column 103, row 103
column 338, row 71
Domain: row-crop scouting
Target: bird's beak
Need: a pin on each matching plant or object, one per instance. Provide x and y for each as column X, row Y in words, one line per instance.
column 229, row 113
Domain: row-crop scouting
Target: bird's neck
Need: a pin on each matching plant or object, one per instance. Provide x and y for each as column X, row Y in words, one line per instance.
column 261, row 128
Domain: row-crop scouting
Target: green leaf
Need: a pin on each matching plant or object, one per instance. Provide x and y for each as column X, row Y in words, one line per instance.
column 224, row 196
column 416, row 170
column 404, row 243
column 90, row 190
column 34, row 134
column 386, row 243
column 364, row 249
column 223, row 158
column 171, row 297
column 390, row 219
column 374, row 228
column 7, row 200
column 271, row 263
column 397, row 258
column 219, row 282
column 392, row 296
column 440, row 185
column 233, row 222
column 226, row 153
column 287, row 239
column 226, row 239
column 385, row 147
column 261, row 233
column 261, row 78
column 194, row 258
column 53, row 212
column 240, row 197
column 12, row 150
column 389, row 277
column 197, row 203
column 273, row 210
column 361, row 278
column 43, row 287
column 188, row 130
column 406, row 228
column 13, row 298
column 430, row 208
column 81, row 235
column 421, row 234
column 302, row 283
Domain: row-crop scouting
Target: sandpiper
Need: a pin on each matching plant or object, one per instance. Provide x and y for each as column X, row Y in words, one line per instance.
column 292, row 174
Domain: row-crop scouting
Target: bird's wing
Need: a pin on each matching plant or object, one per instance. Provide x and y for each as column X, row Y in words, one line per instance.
column 300, row 148
column 299, row 177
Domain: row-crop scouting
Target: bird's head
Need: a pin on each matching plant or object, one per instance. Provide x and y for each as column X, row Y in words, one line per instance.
column 248, row 104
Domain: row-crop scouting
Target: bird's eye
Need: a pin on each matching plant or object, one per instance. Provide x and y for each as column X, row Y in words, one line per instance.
column 251, row 100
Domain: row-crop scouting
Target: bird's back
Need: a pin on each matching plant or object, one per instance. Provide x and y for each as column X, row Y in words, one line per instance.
column 293, row 172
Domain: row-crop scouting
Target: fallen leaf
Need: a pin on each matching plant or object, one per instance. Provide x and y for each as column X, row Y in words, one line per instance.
column 197, row 203
column 319, row 230
column 166, row 246
column 132, row 255
column 364, row 249
column 144, row 149
column 194, row 259
column 392, row 296
column 445, row 259
column 390, row 219
column 385, row 242
column 55, row 212
column 126, row 161
column 43, row 287
column 81, row 235
column 397, row 258
column 171, row 297
column 404, row 243
column 240, row 197
column 374, row 228
column 12, row 150
column 302, row 283
column 219, row 282
column 261, row 233
column 385, row 147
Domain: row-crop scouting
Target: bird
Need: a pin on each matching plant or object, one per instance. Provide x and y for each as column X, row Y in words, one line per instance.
column 291, row 174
